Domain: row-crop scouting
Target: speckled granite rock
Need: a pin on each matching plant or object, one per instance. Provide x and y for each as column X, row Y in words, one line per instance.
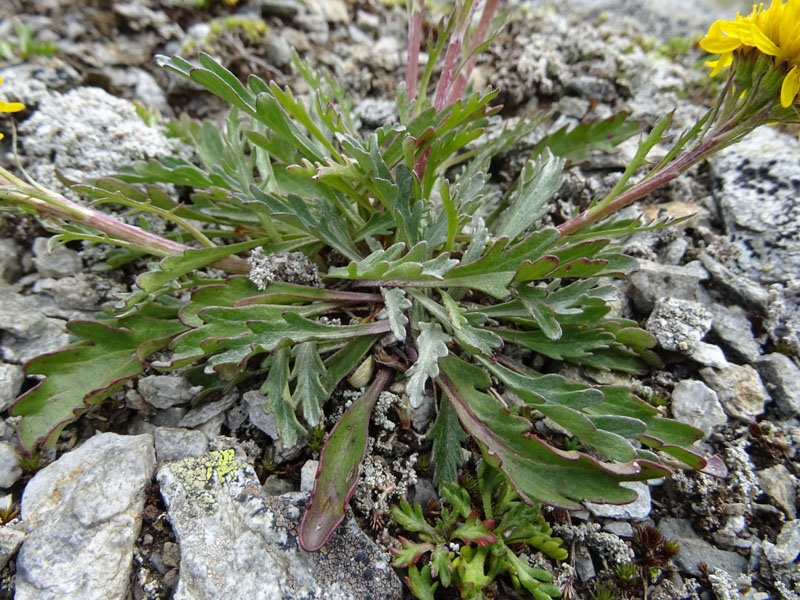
column 84, row 512
column 238, row 542
column 756, row 186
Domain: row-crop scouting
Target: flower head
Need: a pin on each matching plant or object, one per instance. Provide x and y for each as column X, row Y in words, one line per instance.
column 774, row 32
column 6, row 107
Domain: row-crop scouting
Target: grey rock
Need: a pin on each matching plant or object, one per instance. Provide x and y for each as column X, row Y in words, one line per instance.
column 55, row 262
column 423, row 491
column 621, row 529
column 175, row 443
column 255, row 403
column 166, row 391
column 729, row 535
column 11, row 379
column 367, row 21
column 212, row 427
column 10, row 260
column 694, row 402
column 782, row 378
column 74, row 293
column 279, row 8
column 423, row 415
column 32, row 81
column 208, row 411
column 695, row 550
column 278, row 50
column 84, row 512
column 755, row 185
column 28, row 332
column 584, row 566
column 737, row 286
column 275, row 485
column 653, row 281
column 10, row 470
column 6, row 431
column 237, row 415
column 316, row 27
column 672, row 254
column 10, row 541
column 638, row 509
column 238, row 542
column 662, row 20
column 308, row 474
column 679, row 324
column 88, row 133
column 333, row 10
column 375, row 112
column 592, row 88
column 787, row 546
column 709, row 355
column 739, row 390
column 781, row 487
column 733, row 327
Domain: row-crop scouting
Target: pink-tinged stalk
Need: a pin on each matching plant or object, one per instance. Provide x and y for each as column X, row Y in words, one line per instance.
column 49, row 204
column 414, row 41
column 487, row 16
column 726, row 135
column 447, row 76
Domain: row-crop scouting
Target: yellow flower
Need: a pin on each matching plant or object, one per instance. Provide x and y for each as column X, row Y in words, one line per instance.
column 6, row 107
column 774, row 31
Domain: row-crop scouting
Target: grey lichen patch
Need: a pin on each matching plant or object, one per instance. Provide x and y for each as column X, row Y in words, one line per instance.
column 291, row 267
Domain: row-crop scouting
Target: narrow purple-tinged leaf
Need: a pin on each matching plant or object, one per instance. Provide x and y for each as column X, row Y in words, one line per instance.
column 339, row 468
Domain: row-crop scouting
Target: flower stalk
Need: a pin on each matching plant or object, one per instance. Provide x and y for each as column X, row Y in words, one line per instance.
column 47, row 204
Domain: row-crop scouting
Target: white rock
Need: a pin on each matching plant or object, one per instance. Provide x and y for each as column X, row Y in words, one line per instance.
column 739, row 389
column 11, row 378
column 787, row 546
column 695, row 403
column 238, row 542
column 83, row 513
column 638, row 509
column 709, row 355
column 308, row 474
column 10, row 470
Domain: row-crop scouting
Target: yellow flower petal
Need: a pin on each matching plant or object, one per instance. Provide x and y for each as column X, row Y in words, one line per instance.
column 11, row 106
column 762, row 42
column 790, row 87
column 717, row 43
column 1, row 136
column 723, row 61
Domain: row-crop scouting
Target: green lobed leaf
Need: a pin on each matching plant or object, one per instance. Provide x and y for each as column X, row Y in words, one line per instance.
column 420, row 584
column 412, row 519
column 446, row 435
column 575, row 143
column 84, row 374
column 538, row 471
column 410, row 552
column 279, row 401
column 431, row 346
column 537, row 183
column 396, row 304
column 309, row 373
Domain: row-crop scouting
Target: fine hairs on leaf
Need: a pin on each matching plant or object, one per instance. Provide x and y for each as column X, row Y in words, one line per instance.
column 447, row 288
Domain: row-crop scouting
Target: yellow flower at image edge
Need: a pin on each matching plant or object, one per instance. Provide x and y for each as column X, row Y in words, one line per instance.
column 9, row 107
column 774, row 31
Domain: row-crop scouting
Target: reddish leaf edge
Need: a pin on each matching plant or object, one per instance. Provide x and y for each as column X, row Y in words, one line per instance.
column 380, row 381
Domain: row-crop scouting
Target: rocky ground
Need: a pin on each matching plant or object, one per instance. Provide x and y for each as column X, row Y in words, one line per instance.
column 136, row 477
